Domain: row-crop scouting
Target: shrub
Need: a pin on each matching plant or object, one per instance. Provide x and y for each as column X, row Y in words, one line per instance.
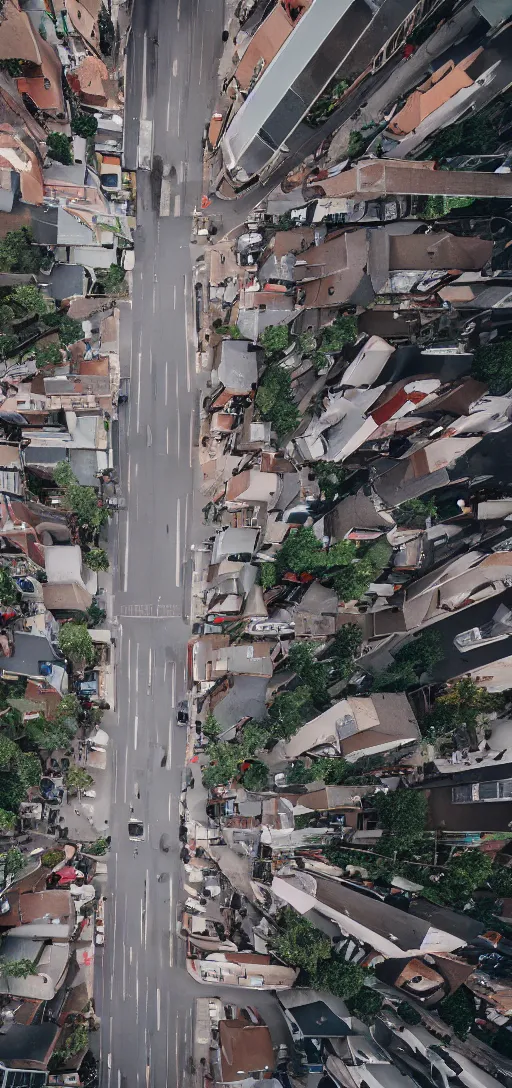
column 458, row 1010
column 97, row 559
column 77, row 778
column 50, row 355
column 76, row 644
column 58, row 147
column 275, row 338
column 107, row 32
column 98, row 848
column 408, row 1014
column 366, row 1004
column 356, row 144
column 52, row 858
column 267, row 575
column 256, row 777
column 18, row 254
column 83, row 124
column 274, row 400
column 29, row 299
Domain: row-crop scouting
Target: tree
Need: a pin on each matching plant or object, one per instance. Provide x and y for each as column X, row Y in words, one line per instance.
column 224, row 765
column 438, row 206
column 366, row 1004
column 473, row 136
column 461, row 877
column 343, row 331
column 76, row 644
column 110, row 279
column 408, row 1013
column 229, row 330
column 14, row 861
column 287, row 712
column 403, row 813
column 82, row 501
column 356, row 144
column 77, row 778
column 18, row 253
column 311, row 672
column 9, row 592
column 8, row 345
column 256, row 777
column 275, row 402
column 21, row 968
column 419, row 655
column 275, row 338
column 340, row 978
column 50, row 355
column 48, row 735
column 344, row 649
column 332, row 770
column 459, row 1011
column 492, row 364
column 7, row 820
column 267, row 575
column 58, row 148
column 462, row 705
column 299, row 553
column 298, row 943
column 29, row 299
column 330, row 477
column 52, row 858
column 83, row 124
column 414, row 513
column 97, row 559
column 211, row 727
column 107, row 32
column 98, row 848
column 70, row 331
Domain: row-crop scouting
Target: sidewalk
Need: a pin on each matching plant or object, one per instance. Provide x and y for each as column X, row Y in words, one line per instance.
column 403, row 77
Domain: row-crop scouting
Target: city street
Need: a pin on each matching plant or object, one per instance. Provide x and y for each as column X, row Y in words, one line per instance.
column 143, row 994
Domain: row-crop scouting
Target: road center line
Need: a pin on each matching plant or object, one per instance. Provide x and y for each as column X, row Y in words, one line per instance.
column 135, row 731
column 166, row 378
column 178, row 544
column 158, row 1009
column 126, row 551
column 138, row 390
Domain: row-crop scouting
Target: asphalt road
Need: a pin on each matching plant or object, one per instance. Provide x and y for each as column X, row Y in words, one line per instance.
column 455, row 663
column 143, row 994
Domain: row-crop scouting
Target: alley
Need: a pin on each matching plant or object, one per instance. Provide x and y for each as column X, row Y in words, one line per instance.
column 144, row 996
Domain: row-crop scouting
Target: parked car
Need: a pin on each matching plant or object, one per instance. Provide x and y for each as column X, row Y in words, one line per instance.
column 500, row 627
column 182, row 712
column 136, row 830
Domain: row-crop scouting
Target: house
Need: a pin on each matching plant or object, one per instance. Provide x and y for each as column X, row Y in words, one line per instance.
column 252, row 485
column 40, row 915
column 246, row 969
column 244, row 1050
column 212, row 658
column 312, row 1017
column 24, row 164
column 456, row 584
column 50, row 964
column 35, row 657
column 327, row 41
column 370, row 179
column 391, row 931
column 356, row 727
column 474, row 798
column 236, row 545
column 257, row 52
column 91, row 82
column 68, row 587
column 428, row 983
column 24, row 1049
column 236, row 366
column 41, row 84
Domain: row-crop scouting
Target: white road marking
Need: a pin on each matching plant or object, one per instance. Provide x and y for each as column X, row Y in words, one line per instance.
column 167, row 378
column 177, row 205
column 167, row 440
column 174, row 297
column 118, row 1078
column 125, row 791
column 186, row 519
column 128, row 476
column 191, row 439
column 154, row 298
column 137, row 668
column 138, row 391
column 201, row 56
column 178, row 544
column 187, row 344
column 175, row 67
column 158, row 1009
column 135, row 731
column 115, row 777
column 137, row 997
column 171, row 923
column 146, row 904
column 179, row 10
column 150, row 361
column 144, row 102
column 126, row 551
column 131, row 953
column 173, row 685
column 169, row 808
column 168, row 108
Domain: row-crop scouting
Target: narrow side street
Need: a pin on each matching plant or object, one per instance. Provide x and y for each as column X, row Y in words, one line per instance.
column 145, row 997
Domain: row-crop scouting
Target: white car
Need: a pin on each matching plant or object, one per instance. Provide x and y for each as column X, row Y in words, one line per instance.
column 499, row 628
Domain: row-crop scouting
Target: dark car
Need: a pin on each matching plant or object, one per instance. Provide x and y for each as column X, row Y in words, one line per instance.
column 136, row 830
column 182, row 712
column 165, row 843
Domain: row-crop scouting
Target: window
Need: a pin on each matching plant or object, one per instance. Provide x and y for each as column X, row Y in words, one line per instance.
column 482, row 791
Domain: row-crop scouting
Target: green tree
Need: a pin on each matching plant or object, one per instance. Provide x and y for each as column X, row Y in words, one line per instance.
column 70, row 331
column 419, row 655
column 58, row 147
column 287, row 712
column 275, row 338
column 298, row 773
column 8, row 345
column 311, row 672
column 19, row 254
column 48, row 735
column 492, row 364
column 333, row 770
column 229, row 330
column 29, row 299
column 342, row 331
column 9, row 592
column 408, row 1013
column 356, row 144
column 83, row 124
column 97, row 559
column 7, row 820
column 98, row 848
column 14, row 860
column 274, row 400
column 82, row 501
column 298, row 943
column 52, row 858
column 459, row 1011
column 414, row 513
column 254, row 738
column 330, row 478
column 77, row 778
column 267, row 575
column 256, row 777
column 110, row 279
column 462, row 705
column 21, row 968
column 211, row 727
column 344, row 649
column 299, row 553
column 225, row 759
column 403, row 813
column 365, row 1004
column 107, row 32
column 437, row 206
column 50, row 355
column 460, row 878
column 76, row 644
